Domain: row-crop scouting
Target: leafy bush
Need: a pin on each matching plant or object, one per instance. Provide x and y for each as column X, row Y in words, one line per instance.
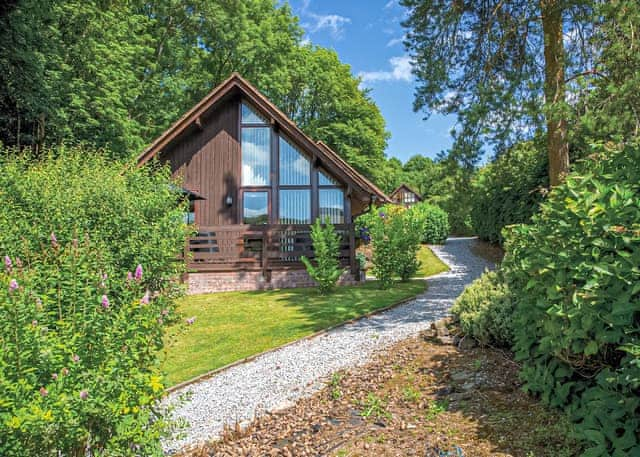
column 134, row 213
column 79, row 356
column 436, row 223
column 577, row 328
column 326, row 248
column 485, row 311
column 508, row 191
column 395, row 234
column 79, row 336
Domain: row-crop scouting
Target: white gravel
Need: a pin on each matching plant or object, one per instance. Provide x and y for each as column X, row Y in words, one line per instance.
column 275, row 380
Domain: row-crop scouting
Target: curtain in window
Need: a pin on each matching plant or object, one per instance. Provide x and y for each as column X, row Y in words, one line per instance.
column 295, row 206
column 332, row 205
column 256, row 156
column 295, row 168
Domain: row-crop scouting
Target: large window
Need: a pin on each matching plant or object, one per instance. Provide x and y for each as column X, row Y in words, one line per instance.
column 295, row 185
column 295, row 168
column 295, row 206
column 330, row 199
column 256, row 156
column 255, row 208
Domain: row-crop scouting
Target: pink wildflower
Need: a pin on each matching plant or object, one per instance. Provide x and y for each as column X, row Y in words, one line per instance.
column 105, row 302
column 75, row 358
column 129, row 276
column 7, row 262
column 64, row 371
column 43, row 392
column 54, row 376
column 138, row 274
column 83, row 394
column 160, row 321
column 54, row 240
column 13, row 285
column 191, row 320
column 145, row 299
column 165, row 312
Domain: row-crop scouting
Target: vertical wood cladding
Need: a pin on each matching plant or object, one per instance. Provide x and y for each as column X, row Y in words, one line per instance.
column 208, row 161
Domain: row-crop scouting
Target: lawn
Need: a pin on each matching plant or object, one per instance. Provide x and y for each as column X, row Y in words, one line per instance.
column 233, row 325
column 430, row 264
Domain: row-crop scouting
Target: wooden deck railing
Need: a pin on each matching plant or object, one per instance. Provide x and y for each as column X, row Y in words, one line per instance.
column 260, row 247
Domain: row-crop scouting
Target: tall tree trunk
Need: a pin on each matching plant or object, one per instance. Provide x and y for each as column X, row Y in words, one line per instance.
column 554, row 91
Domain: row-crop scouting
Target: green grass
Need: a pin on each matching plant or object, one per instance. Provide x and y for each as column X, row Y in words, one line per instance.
column 430, row 263
column 233, row 325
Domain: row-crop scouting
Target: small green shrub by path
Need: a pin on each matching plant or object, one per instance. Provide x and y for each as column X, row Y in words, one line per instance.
column 232, row 325
column 577, row 320
column 485, row 310
column 436, row 223
column 326, row 248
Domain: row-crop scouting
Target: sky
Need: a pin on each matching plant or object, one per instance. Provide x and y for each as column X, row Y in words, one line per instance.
column 367, row 35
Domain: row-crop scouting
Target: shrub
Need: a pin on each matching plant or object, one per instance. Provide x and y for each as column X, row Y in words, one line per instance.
column 395, row 235
column 508, row 191
column 436, row 223
column 79, row 356
column 78, row 366
column 485, row 311
column 326, row 249
column 134, row 213
column 577, row 328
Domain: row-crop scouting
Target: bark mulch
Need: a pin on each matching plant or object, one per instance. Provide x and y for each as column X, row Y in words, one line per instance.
column 419, row 398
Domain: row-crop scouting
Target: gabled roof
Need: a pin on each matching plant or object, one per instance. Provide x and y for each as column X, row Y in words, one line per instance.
column 406, row 187
column 234, row 84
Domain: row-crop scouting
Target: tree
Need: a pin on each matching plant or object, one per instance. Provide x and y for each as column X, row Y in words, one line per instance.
column 482, row 60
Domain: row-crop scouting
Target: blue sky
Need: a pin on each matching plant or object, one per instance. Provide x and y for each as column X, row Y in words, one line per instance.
column 367, row 35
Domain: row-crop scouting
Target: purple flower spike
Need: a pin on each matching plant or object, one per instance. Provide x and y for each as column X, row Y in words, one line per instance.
column 138, row 274
column 191, row 320
column 105, row 302
column 13, row 285
column 382, row 214
column 83, row 394
column 7, row 262
column 145, row 299
column 75, row 358
column 129, row 276
column 43, row 392
column 54, row 240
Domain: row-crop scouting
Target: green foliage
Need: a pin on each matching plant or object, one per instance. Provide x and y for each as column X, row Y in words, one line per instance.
column 326, row 249
column 395, row 236
column 133, row 213
column 485, row 310
column 436, row 223
column 509, row 190
column 576, row 324
column 79, row 355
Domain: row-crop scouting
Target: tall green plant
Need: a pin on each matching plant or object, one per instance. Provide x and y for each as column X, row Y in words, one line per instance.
column 577, row 320
column 435, row 229
column 326, row 249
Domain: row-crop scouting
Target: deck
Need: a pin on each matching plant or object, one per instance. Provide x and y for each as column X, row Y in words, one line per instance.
column 260, row 247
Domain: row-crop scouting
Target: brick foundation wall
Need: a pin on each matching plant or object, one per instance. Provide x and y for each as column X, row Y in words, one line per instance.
column 227, row 281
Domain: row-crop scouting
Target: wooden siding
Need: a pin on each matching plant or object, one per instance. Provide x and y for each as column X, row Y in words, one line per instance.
column 208, row 160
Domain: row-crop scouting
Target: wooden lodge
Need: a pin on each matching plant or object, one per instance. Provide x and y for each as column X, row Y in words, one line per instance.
column 405, row 195
column 256, row 182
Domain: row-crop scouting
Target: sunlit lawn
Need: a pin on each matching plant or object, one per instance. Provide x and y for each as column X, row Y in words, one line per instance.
column 430, row 263
column 233, row 325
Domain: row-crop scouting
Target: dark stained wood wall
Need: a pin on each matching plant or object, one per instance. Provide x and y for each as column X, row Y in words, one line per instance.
column 209, row 162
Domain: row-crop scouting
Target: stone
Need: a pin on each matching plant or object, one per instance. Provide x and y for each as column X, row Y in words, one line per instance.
column 466, row 343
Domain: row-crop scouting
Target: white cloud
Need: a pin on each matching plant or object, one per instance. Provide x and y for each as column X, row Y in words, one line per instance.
column 332, row 22
column 400, row 71
column 389, row 4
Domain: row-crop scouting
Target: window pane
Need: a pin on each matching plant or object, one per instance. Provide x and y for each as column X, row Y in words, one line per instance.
column 255, row 208
column 256, row 156
column 250, row 116
column 325, row 180
column 295, row 168
column 295, row 206
column 332, row 205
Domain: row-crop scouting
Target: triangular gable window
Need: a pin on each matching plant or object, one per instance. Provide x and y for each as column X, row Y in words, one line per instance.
column 251, row 116
column 325, row 180
column 295, row 168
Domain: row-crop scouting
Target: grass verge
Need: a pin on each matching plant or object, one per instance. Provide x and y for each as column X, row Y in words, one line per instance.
column 430, row 264
column 233, row 325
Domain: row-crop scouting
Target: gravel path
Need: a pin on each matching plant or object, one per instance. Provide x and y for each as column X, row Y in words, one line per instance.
column 275, row 380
